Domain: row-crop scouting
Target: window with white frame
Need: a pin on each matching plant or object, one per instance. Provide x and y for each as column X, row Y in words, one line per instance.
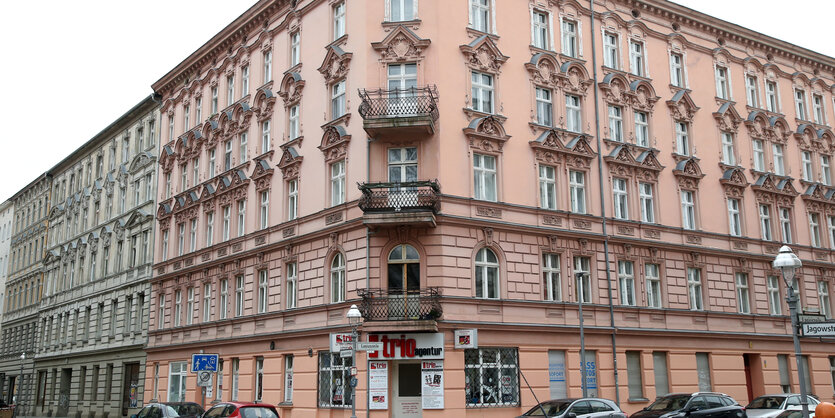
column 806, row 165
column 551, row 276
column 814, row 230
column 582, row 279
column 786, row 225
column 181, row 238
column 817, row 109
column 626, row 282
column 195, row 171
column 722, row 90
column 189, row 306
column 573, row 116
column 259, row 378
column 823, row 299
column 569, row 38
column 186, row 114
column 830, row 220
column 293, row 129
column 676, row 70
column 647, row 202
column 826, row 172
column 765, row 222
column 207, row 302
column 210, row 228
column 268, row 66
column 777, row 154
column 728, row 154
column 288, row 378
column 292, row 199
column 178, row 307
column 653, row 283
column 544, row 107
column 265, row 209
column 211, row 164
column 480, row 15
column 295, row 48
column 752, row 93
column 611, row 54
column 540, row 29
column 334, row 375
column 636, row 58
column 338, row 183
column 482, row 89
column 263, row 294
column 688, row 209
column 577, row 191
column 193, row 235
column 214, row 100
column 615, row 123
column 338, row 99
column 547, row 187
column 682, row 138
column 223, row 306
column 160, row 314
column 244, row 81
column 771, row 96
column 227, row 156
column 484, row 177
column 227, row 221
column 743, row 301
column 402, row 10
column 236, row 373
column 486, row 274
column 338, row 20
column 230, row 90
column 265, row 136
column 620, row 198
column 800, row 104
column 292, row 286
column 183, row 177
column 758, row 155
column 773, row 289
column 239, row 296
column 241, row 218
column 694, row 288
column 338, row 278
column 242, row 142
column 734, row 222
column 177, row 374
column 641, row 129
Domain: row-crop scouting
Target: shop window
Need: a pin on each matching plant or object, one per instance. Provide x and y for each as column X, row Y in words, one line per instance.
column 491, row 377
column 334, row 377
column 176, row 381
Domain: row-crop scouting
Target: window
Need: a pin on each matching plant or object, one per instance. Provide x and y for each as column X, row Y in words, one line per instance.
column 728, row 156
column 551, row 277
column 641, row 129
column 334, row 377
column 265, row 209
column 181, row 238
column 338, row 183
column 339, row 20
column 694, row 288
column 759, row 155
column 800, row 104
column 814, row 230
column 189, row 306
column 544, row 108
column 615, row 123
column 795, row 286
column 294, row 122
column 620, row 198
column 806, row 165
column 338, row 99
column 207, row 302
column 831, row 223
column 539, row 27
column 263, row 283
column 734, row 221
column 569, row 38
column 765, row 222
column 292, row 286
column 224, row 298
column 582, row 279
column 484, row 369
column 626, row 281
column 227, row 220
column 647, row 202
column 265, row 136
column 241, row 217
column 636, row 58
column 482, row 89
column 832, row 369
column 722, row 83
column 480, row 15
column 676, row 70
column 773, row 288
column 245, row 81
column 577, row 190
column 214, row 100
column 484, row 177
column 823, row 299
column 259, row 379
column 288, row 378
column 227, row 156
column 402, row 10
column 573, row 117
column 486, row 274
column 211, row 164
column 826, row 174
column 703, row 371
column 176, row 381
column 151, row 137
column 292, row 199
column 338, row 278
column 295, row 50
column 230, row 90
column 547, row 187
column 653, row 282
column 688, row 211
column 659, row 365
column 186, row 114
column 771, row 96
column 743, row 301
column 777, row 151
column 752, row 94
column 193, row 235
column 682, row 140
column 268, row 66
column 236, row 371
column 178, row 310
column 242, row 140
column 783, row 368
column 210, row 228
column 611, row 54
column 239, row 296
column 817, row 108
column 633, row 375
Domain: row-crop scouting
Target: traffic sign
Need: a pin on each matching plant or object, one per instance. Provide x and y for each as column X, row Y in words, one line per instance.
column 204, row 362
column 819, row 329
column 369, row 346
column 346, row 353
column 204, row 379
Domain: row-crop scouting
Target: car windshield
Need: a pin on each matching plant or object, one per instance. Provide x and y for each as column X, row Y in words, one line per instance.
column 766, row 402
column 552, row 408
column 669, row 403
column 170, row 412
column 187, row 409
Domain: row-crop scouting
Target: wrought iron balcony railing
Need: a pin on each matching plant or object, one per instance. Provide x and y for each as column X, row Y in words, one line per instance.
column 404, row 196
column 400, row 305
column 399, row 103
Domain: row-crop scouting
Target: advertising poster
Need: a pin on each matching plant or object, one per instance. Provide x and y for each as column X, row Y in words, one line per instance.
column 432, row 375
column 378, row 381
column 466, row 338
column 341, row 341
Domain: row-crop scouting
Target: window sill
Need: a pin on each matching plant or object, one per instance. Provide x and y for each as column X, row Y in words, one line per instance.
column 637, row 400
column 391, row 24
column 285, row 404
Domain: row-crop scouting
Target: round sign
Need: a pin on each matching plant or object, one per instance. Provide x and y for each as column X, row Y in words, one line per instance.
column 353, row 382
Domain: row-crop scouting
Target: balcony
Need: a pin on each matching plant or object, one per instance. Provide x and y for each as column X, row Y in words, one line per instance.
column 399, row 112
column 413, row 203
column 395, row 310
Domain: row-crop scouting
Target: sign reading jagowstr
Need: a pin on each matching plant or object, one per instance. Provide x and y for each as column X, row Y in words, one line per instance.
column 819, row 329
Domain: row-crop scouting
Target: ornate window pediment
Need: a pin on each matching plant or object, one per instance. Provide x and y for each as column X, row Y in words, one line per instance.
column 166, row 160
column 682, row 106
column 140, row 161
column 623, row 162
column 727, row 118
column 482, row 54
column 234, row 119
column 336, row 64
column 819, row 199
column 207, row 196
column 487, row 133
column 232, row 188
column 772, row 189
column 211, row 131
column 615, row 90
column 401, row 44
column 642, row 95
column 543, row 69
column 574, row 78
column 809, row 138
column 688, row 173
column 290, row 163
column 773, row 128
column 334, row 143
column 137, row 218
column 557, row 145
column 291, row 89
column 261, row 175
column 263, row 103
column 734, row 182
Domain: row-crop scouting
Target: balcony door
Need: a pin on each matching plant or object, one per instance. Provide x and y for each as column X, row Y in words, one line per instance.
column 403, row 167
column 404, row 282
column 402, row 81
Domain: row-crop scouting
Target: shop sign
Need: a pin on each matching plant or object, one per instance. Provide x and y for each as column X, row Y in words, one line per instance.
column 341, row 341
column 466, row 338
column 408, row 346
column 378, row 380
column 432, row 373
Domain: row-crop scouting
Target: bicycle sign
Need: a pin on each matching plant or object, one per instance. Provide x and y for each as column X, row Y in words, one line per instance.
column 204, row 363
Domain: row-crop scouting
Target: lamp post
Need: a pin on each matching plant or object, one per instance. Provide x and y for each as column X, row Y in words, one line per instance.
column 580, row 294
column 788, row 263
column 19, row 398
column 354, row 318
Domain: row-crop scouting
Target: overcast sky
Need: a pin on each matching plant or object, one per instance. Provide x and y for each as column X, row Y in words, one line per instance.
column 73, row 67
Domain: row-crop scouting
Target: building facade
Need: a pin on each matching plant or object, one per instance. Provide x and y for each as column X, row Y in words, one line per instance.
column 644, row 165
column 6, row 225
column 24, row 286
column 93, row 313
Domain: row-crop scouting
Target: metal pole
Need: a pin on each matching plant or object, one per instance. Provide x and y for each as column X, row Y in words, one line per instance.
column 583, row 382
column 791, row 300
column 354, row 364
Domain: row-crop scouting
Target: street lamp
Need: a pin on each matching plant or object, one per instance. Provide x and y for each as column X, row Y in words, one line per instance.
column 354, row 318
column 19, row 398
column 580, row 293
column 788, row 263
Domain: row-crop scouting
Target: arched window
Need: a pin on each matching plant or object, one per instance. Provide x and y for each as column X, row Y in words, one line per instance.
column 338, row 278
column 486, row 274
column 404, row 269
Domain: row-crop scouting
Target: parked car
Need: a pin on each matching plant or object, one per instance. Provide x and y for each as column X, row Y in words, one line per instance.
column 170, row 409
column 693, row 405
column 795, row 414
column 770, row 406
column 241, row 410
column 573, row 408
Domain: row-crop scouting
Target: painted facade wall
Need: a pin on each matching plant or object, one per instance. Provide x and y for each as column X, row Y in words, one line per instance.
column 6, row 222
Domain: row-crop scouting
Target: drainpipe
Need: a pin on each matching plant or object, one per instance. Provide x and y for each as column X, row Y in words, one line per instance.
column 603, row 206
column 367, row 273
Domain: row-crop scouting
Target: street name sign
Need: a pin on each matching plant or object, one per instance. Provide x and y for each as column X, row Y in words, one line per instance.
column 367, row 346
column 819, row 329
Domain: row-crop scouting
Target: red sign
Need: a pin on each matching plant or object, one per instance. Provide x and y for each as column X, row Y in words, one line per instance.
column 408, row 346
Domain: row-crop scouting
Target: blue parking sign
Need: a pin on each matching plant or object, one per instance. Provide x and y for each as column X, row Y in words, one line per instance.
column 204, row 362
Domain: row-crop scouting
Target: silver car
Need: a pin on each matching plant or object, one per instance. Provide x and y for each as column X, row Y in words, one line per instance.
column 576, row 408
column 769, row 406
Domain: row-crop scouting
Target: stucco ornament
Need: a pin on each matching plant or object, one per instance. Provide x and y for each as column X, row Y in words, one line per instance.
column 482, row 54
column 688, row 173
column 336, row 64
column 727, row 118
column 557, row 145
column 401, row 44
column 487, row 133
column 290, row 163
column 291, row 88
column 682, row 106
column 334, row 143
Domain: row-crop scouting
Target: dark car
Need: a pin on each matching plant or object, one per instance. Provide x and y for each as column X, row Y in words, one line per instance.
column 241, row 410
column 170, row 409
column 693, row 405
column 573, row 408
